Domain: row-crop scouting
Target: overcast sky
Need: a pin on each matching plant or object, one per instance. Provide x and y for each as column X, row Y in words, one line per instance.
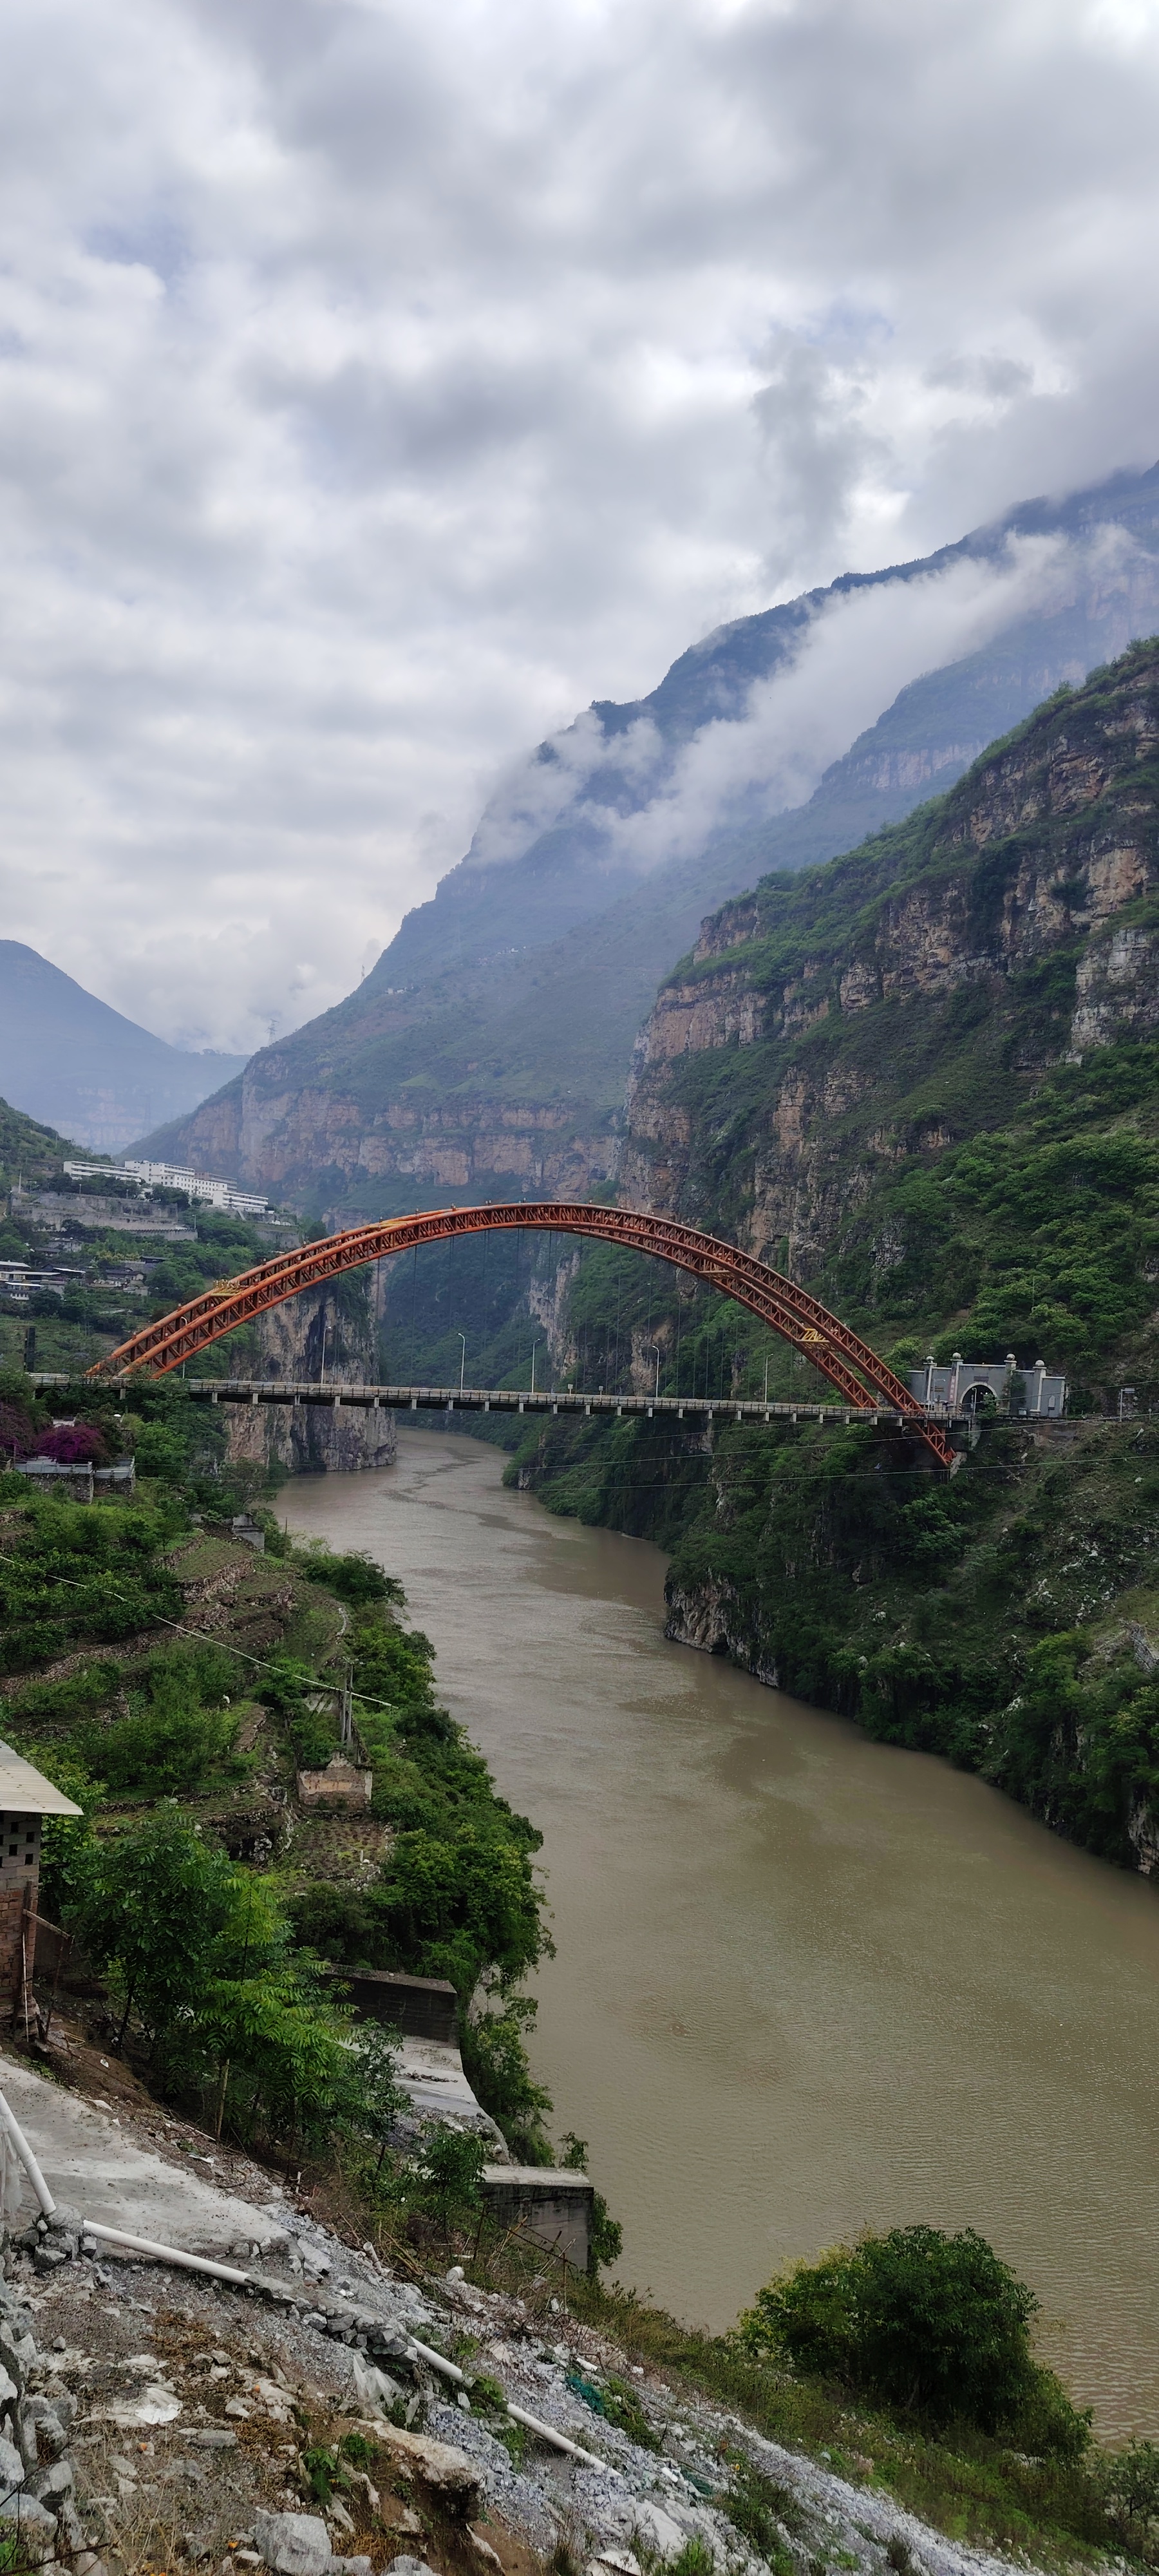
column 381, row 382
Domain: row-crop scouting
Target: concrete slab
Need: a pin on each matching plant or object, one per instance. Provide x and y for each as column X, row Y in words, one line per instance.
column 95, row 2166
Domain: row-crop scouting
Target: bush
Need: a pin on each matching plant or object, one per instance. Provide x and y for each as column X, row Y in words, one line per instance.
column 1131, row 2491
column 354, row 1577
column 170, row 1740
column 494, row 2052
column 933, row 2324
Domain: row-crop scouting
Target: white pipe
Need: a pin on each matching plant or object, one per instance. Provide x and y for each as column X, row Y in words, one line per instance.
column 450, row 2369
column 547, row 2433
column 28, row 2160
column 166, row 2253
column 519, row 2415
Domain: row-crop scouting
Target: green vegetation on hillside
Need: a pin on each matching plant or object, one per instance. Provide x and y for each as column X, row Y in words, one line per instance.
column 137, row 1637
column 969, row 1181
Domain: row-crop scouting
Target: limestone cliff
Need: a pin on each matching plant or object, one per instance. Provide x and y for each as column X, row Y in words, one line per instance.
column 326, row 1332
column 487, row 1052
column 831, row 1030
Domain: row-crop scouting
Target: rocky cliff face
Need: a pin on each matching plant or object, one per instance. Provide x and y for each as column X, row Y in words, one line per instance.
column 814, row 1039
column 486, row 1055
column 329, row 1332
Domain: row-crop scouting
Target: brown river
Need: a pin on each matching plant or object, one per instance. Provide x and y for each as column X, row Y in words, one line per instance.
column 803, row 1983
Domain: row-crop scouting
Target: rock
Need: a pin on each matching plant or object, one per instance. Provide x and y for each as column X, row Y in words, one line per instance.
column 375, row 2387
column 658, row 2531
column 294, row 2544
column 18, row 2351
column 12, row 2471
column 438, row 2464
column 51, row 2435
column 155, row 2405
column 409, row 2567
column 337, row 2512
column 34, row 2519
column 216, row 2439
column 69, row 2528
column 350, row 2567
column 48, row 2258
column 47, row 2484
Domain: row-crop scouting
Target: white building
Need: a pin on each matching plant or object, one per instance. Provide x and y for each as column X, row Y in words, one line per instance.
column 174, row 1176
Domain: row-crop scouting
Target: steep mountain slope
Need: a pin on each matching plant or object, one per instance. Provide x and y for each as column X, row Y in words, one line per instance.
column 69, row 1059
column 925, row 1078
column 489, row 1048
column 812, row 1077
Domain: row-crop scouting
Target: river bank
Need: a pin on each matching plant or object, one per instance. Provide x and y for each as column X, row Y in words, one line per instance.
column 804, row 1982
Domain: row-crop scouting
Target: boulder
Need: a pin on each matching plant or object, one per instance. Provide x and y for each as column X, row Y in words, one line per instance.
column 12, row 2472
column 50, row 2484
column 439, row 2464
column 658, row 2531
column 51, row 2435
column 35, row 2520
column 293, row 2544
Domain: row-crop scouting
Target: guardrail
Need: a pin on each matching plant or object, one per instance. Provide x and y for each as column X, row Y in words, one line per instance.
column 335, row 1396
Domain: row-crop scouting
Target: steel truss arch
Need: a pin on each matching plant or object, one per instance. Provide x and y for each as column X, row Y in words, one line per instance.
column 828, row 1344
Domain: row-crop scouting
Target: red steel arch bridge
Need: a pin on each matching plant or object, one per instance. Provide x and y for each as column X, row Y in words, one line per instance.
column 867, row 1389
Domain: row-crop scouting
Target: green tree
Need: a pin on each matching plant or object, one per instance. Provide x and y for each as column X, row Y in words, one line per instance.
column 150, row 1910
column 935, row 2324
column 449, row 2170
column 377, row 2099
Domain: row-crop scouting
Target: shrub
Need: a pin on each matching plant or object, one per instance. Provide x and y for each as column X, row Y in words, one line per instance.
column 1131, row 2491
column 933, row 2324
column 171, row 1739
column 75, row 1444
column 353, row 1577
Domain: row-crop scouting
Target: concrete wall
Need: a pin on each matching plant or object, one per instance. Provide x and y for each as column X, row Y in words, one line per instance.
column 552, row 2207
column 421, row 2007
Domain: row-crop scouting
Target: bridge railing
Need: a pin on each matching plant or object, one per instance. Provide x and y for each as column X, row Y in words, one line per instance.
column 335, row 1394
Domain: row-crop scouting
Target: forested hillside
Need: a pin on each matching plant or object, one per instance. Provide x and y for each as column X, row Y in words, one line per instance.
column 174, row 1681
column 925, row 1079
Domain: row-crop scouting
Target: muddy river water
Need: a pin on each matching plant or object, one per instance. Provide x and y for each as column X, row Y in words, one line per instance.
column 803, row 1983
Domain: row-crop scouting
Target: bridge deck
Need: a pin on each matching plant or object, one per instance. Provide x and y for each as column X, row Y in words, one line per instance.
column 336, row 1394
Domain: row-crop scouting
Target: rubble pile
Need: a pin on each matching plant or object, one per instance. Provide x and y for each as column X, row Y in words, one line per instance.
column 327, row 2419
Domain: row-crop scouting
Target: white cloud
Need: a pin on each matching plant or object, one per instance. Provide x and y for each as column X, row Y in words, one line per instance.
column 378, row 385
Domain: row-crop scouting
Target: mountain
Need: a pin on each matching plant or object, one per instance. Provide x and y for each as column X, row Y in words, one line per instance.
column 70, row 1060
column 924, row 1078
column 488, row 1051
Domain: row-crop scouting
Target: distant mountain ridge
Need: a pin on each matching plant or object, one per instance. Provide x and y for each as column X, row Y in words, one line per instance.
column 72, row 1062
column 488, row 1052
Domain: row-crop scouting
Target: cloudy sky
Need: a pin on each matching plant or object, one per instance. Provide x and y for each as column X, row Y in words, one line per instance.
column 379, row 383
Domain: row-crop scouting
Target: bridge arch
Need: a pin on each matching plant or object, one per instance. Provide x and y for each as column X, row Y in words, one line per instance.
column 849, row 1363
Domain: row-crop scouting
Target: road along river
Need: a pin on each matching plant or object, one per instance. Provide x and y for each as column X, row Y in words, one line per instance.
column 804, row 1983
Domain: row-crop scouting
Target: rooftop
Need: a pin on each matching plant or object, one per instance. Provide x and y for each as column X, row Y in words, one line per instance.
column 25, row 1792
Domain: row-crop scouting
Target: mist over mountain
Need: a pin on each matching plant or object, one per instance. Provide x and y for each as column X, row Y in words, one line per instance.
column 72, row 1062
column 488, row 1050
